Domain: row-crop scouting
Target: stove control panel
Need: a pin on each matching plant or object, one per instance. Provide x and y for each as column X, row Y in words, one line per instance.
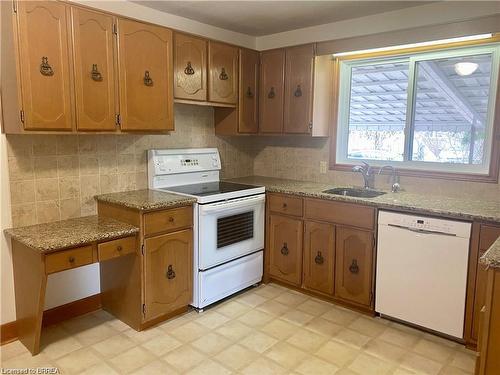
column 182, row 161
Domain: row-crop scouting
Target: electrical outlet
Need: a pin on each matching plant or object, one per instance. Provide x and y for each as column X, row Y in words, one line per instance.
column 322, row 167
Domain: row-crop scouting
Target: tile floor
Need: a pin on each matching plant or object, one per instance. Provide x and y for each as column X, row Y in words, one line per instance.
column 265, row 330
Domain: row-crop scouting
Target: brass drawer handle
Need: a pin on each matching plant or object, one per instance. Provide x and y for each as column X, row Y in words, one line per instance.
column 285, row 205
column 119, row 248
column 271, row 94
column 71, row 259
column 284, row 249
column 354, row 268
column 319, row 258
column 298, row 92
column 249, row 92
column 95, row 74
column 188, row 70
column 170, row 272
column 45, row 67
column 148, row 81
column 171, row 219
column 223, row 75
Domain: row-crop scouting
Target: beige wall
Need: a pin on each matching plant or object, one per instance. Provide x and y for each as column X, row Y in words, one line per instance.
column 299, row 158
column 55, row 177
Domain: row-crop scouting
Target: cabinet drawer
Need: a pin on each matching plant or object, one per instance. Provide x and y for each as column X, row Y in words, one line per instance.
column 285, row 204
column 341, row 213
column 168, row 220
column 64, row 260
column 487, row 236
column 116, row 248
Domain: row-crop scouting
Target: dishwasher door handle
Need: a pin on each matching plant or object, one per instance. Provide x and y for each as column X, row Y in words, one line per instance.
column 422, row 231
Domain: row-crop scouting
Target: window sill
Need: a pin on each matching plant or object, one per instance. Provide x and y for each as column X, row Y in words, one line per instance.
column 492, row 177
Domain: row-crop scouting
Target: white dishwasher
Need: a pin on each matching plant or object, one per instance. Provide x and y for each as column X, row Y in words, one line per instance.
column 422, row 271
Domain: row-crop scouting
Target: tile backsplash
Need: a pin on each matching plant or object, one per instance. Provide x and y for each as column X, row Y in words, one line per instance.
column 299, row 157
column 55, row 177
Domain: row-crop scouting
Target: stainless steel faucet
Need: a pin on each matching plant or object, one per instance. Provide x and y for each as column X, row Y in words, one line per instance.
column 366, row 172
column 395, row 178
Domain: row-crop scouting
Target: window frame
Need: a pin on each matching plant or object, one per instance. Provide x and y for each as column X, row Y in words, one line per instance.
column 490, row 167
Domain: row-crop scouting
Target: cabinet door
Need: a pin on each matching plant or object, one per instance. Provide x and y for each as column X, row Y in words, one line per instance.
column 285, row 249
column 272, row 85
column 319, row 252
column 168, row 272
column 353, row 265
column 487, row 236
column 95, row 80
column 146, row 74
column 44, row 65
column 190, row 67
column 299, row 75
column 223, row 73
column 248, row 98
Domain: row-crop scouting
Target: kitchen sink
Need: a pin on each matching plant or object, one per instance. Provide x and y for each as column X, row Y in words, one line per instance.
column 355, row 192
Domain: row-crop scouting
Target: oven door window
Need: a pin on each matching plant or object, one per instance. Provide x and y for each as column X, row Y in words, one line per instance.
column 234, row 228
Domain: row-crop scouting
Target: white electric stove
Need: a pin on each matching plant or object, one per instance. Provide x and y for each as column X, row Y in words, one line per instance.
column 228, row 220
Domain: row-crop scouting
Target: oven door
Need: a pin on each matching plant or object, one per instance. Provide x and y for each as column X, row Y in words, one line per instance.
column 230, row 229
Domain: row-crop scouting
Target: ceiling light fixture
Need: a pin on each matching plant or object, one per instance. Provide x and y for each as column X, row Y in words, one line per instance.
column 465, row 68
column 413, row 45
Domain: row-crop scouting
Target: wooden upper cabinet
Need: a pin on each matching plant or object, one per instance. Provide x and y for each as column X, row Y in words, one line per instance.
column 95, row 81
column 168, row 272
column 44, row 65
column 190, row 70
column 146, row 74
column 222, row 73
column 319, row 253
column 248, row 97
column 285, row 249
column 299, row 75
column 272, row 84
column 353, row 265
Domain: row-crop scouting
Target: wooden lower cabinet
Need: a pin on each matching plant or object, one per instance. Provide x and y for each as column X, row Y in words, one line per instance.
column 319, row 256
column 158, row 283
column 306, row 248
column 168, row 272
column 354, row 265
column 489, row 336
column 483, row 236
column 285, row 249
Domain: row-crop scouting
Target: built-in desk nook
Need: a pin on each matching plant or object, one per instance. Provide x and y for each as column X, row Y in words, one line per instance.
column 143, row 243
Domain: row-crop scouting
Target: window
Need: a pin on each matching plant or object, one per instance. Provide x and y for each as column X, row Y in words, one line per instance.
column 428, row 111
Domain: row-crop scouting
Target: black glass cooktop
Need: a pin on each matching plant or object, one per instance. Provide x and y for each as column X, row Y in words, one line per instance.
column 209, row 188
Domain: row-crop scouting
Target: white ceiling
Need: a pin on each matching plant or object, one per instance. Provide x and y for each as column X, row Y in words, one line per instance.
column 257, row 18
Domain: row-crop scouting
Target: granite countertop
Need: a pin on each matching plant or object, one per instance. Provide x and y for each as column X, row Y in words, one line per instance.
column 50, row 237
column 469, row 209
column 146, row 200
column 491, row 257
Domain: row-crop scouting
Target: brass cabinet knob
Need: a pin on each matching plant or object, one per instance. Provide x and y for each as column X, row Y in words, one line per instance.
column 319, row 258
column 148, row 81
column 171, row 219
column 95, row 74
column 284, row 249
column 119, row 248
column 188, row 70
column 45, row 68
column 354, row 268
column 71, row 259
column 170, row 272
column 223, row 75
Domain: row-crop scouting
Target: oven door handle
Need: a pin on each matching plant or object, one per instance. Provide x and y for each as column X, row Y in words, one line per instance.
column 232, row 204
